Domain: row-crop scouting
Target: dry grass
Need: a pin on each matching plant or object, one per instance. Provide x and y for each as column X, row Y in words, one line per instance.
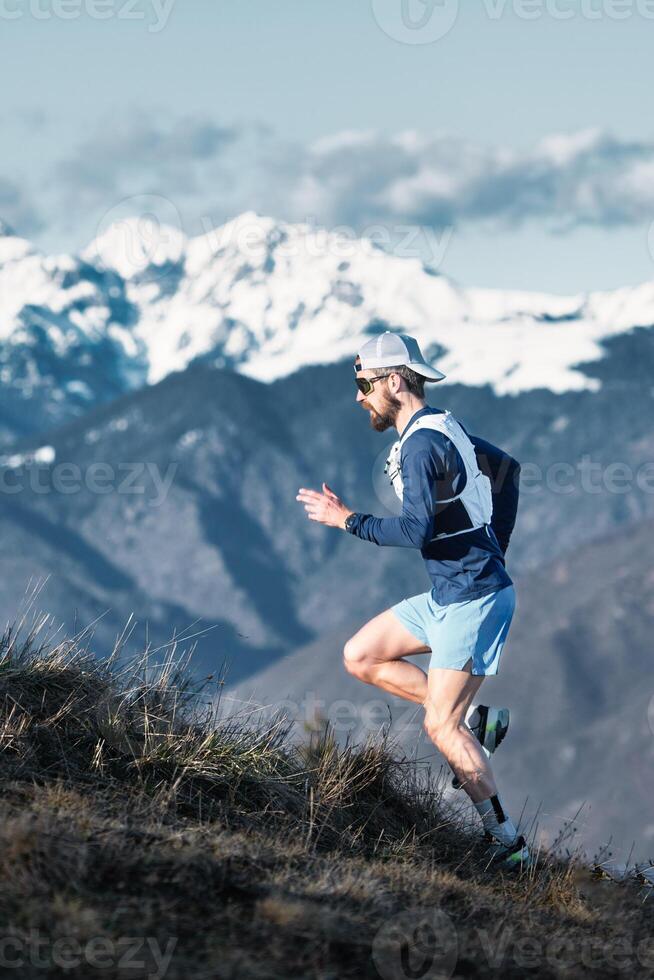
column 141, row 834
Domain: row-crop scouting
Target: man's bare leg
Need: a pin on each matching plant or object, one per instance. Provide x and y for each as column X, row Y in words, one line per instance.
column 374, row 655
column 450, row 694
column 449, row 697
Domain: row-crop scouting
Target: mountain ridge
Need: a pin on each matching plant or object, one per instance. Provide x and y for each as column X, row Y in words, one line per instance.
column 265, row 299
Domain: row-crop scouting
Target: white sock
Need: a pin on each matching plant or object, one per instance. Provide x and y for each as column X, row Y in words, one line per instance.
column 495, row 820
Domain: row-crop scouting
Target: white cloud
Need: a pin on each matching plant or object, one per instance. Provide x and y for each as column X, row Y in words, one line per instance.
column 142, row 144
column 565, row 180
column 563, row 148
column 356, row 178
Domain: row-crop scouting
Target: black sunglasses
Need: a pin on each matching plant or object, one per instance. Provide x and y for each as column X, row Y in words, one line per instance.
column 365, row 385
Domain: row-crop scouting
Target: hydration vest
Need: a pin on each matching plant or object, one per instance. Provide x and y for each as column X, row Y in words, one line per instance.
column 476, row 496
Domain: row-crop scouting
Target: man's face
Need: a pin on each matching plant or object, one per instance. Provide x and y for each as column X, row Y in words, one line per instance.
column 382, row 405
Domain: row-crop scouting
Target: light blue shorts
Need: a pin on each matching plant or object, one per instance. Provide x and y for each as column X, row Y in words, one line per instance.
column 472, row 630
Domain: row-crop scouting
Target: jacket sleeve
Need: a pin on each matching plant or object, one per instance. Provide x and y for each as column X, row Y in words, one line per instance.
column 414, row 527
column 504, row 473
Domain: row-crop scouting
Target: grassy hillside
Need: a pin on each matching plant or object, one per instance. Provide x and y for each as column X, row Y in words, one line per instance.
column 143, row 836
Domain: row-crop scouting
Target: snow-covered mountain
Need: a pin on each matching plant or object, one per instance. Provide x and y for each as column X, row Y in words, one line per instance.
column 66, row 337
column 266, row 298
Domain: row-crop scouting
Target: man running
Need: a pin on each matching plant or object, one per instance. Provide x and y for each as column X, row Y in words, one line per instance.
column 462, row 527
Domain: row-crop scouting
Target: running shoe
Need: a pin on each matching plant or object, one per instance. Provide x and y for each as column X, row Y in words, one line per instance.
column 513, row 857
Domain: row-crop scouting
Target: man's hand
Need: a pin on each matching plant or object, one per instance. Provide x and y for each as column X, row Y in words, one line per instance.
column 325, row 507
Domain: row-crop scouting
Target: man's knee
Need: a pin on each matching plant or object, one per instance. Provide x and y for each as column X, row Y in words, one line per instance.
column 356, row 660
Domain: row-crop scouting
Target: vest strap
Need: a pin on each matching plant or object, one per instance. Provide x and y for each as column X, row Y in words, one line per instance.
column 476, row 496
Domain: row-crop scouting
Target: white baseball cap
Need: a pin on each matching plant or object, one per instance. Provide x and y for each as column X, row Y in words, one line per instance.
column 393, row 349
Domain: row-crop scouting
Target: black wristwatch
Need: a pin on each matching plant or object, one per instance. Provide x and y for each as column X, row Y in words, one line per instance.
column 349, row 521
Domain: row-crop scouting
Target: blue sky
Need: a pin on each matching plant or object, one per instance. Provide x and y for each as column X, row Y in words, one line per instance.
column 522, row 138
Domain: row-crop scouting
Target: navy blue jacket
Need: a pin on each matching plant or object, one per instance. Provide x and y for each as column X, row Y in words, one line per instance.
column 472, row 563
